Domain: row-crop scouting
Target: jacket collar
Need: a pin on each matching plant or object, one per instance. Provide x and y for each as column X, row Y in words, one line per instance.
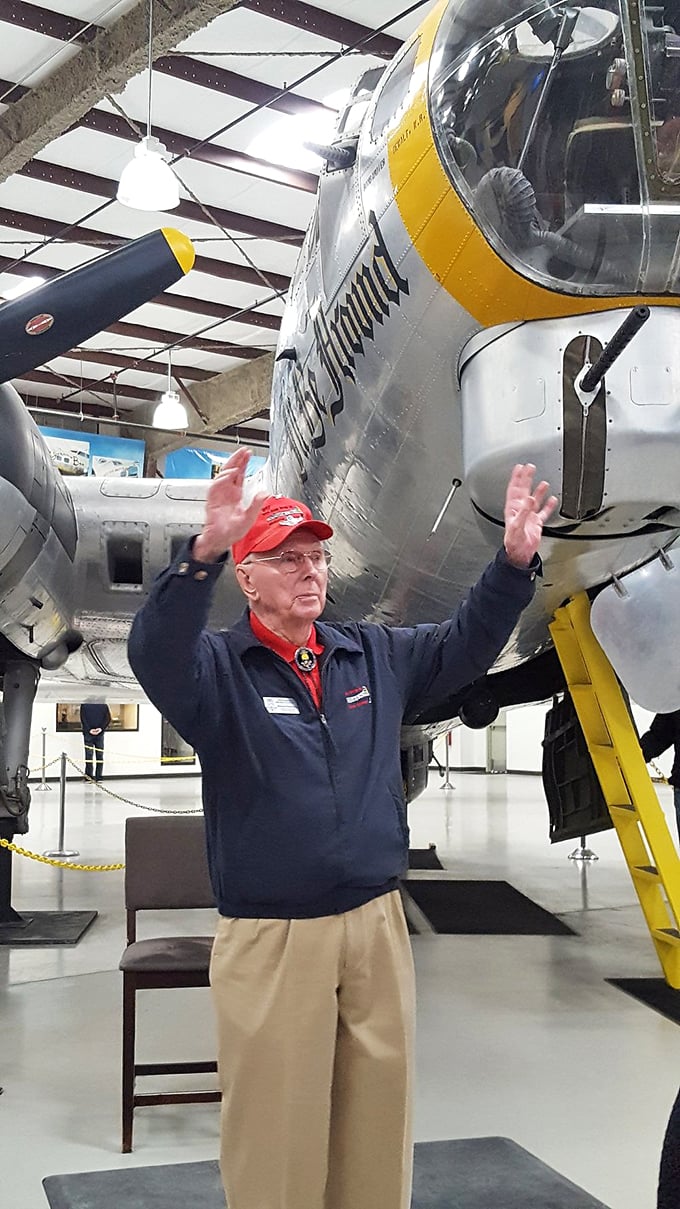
column 241, row 637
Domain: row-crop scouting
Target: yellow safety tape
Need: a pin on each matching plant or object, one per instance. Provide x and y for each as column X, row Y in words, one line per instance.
column 125, row 759
column 48, row 860
column 128, row 759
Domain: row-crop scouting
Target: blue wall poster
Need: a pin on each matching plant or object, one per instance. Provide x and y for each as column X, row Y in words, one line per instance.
column 76, row 453
column 190, row 463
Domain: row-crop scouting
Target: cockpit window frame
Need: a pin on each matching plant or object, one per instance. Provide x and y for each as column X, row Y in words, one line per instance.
column 642, row 88
column 621, row 205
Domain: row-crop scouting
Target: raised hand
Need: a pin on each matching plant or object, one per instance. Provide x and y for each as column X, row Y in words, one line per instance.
column 525, row 513
column 227, row 517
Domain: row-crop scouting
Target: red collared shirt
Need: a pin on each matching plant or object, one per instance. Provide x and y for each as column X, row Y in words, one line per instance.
column 286, row 649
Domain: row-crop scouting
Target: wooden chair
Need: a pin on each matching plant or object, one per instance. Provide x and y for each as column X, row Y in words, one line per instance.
column 165, row 869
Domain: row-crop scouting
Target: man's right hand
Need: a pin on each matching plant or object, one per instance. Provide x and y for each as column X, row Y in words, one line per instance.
column 227, row 517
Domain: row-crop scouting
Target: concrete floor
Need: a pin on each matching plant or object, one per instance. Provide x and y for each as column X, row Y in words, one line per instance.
column 517, row 1036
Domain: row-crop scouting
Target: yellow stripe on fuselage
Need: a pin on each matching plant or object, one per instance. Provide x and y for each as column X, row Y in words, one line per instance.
column 445, row 234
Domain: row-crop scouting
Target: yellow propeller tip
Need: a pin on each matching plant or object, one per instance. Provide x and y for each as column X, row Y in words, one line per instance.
column 181, row 248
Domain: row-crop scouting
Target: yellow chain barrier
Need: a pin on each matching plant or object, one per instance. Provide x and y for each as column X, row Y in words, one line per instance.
column 119, row 797
column 32, row 772
column 48, row 860
column 659, row 775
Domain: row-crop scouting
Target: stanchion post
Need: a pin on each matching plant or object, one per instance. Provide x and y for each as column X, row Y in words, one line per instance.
column 43, row 784
column 583, row 853
column 62, row 853
column 447, row 783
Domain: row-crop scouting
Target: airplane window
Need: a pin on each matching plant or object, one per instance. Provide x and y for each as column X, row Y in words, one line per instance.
column 351, row 117
column 662, row 30
column 177, row 543
column 124, row 557
column 541, row 133
column 393, row 91
column 307, row 252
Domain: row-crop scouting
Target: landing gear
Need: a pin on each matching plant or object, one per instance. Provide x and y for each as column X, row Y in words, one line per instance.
column 20, row 681
column 19, row 684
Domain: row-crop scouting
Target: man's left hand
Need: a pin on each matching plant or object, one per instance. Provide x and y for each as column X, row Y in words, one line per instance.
column 526, row 512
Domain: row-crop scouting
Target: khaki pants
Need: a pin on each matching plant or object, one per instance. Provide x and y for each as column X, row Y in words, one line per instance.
column 315, row 1032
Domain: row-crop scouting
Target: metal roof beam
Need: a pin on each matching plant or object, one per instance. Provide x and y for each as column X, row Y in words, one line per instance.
column 326, row 25
column 11, row 92
column 207, row 153
column 92, row 356
column 225, row 270
column 219, row 310
column 72, row 386
column 228, row 83
column 46, row 21
column 103, row 65
column 104, row 186
column 157, row 335
column 101, row 414
column 195, row 71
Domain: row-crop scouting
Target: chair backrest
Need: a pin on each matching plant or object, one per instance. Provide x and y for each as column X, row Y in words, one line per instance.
column 166, row 866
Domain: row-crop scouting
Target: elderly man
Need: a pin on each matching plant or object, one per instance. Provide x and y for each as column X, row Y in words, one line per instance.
column 296, row 723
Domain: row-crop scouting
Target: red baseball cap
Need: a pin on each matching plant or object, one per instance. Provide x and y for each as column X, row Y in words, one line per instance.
column 277, row 519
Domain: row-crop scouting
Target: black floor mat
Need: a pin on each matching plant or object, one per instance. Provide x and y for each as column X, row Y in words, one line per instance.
column 45, row 928
column 468, row 1173
column 653, row 992
column 482, row 908
column 423, row 858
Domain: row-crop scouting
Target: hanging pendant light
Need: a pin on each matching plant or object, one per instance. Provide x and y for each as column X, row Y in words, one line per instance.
column 170, row 412
column 148, row 182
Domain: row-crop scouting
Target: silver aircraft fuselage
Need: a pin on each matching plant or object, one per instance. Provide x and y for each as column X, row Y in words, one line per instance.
column 494, row 204
column 509, row 202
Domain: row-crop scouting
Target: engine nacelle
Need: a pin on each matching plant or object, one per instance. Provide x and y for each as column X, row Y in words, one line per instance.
column 38, row 535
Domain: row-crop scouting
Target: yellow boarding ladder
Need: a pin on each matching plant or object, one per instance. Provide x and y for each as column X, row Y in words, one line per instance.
column 648, row 848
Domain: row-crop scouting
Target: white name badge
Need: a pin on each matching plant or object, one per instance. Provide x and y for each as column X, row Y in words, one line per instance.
column 280, row 705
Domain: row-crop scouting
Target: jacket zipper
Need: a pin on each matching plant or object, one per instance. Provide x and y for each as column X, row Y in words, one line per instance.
column 323, row 721
column 328, row 745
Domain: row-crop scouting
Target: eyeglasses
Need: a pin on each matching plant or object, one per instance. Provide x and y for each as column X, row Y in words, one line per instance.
column 294, row 560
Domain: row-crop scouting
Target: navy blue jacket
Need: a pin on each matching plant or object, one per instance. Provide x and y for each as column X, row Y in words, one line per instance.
column 305, row 809
column 664, row 732
column 94, row 714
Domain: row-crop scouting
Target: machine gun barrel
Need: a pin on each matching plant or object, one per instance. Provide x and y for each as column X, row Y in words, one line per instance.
column 619, row 341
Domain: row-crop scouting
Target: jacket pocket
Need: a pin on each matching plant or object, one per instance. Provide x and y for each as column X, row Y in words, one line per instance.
column 400, row 807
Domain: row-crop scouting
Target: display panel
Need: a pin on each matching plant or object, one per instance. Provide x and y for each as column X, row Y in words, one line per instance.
column 123, row 717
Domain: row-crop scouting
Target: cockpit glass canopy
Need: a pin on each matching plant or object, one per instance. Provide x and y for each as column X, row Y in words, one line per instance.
column 559, row 125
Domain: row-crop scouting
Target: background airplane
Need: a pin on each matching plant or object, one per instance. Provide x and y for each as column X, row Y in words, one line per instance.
column 493, row 205
column 40, row 532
